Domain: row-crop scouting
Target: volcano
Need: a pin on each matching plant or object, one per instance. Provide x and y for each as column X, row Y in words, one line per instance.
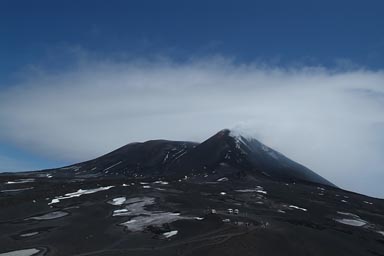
column 229, row 195
column 226, row 152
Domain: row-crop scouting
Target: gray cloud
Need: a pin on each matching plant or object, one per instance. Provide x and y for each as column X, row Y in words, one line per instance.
column 331, row 121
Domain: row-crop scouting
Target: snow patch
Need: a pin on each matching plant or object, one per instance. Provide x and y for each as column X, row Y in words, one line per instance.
column 25, row 252
column 120, row 212
column 353, row 220
column 245, row 137
column 258, row 189
column 134, row 206
column 161, row 182
column 141, row 217
column 166, row 158
column 139, row 223
column 179, row 154
column 170, row 233
column 117, row 201
column 297, row 208
column 78, row 193
column 20, row 181
column 29, row 234
column 106, row 169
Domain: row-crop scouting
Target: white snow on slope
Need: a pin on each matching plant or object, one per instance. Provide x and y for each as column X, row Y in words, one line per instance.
column 352, row 220
column 134, row 206
column 141, row 217
column 106, row 169
column 139, row 223
column 78, row 193
column 170, row 233
column 29, row 234
column 161, row 182
column 298, row 208
column 245, row 137
column 257, row 189
column 25, row 252
column 117, row 201
column 20, row 181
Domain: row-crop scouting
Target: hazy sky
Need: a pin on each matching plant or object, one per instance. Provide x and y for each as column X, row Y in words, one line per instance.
column 81, row 78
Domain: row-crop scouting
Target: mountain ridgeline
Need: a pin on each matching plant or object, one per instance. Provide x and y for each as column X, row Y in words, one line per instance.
column 234, row 155
column 229, row 195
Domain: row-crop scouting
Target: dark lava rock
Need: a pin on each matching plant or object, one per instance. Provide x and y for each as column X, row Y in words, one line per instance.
column 230, row 195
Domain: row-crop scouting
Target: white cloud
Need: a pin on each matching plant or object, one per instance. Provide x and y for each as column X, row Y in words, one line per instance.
column 330, row 121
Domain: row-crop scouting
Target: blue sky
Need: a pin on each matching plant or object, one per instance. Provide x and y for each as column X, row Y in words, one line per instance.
column 51, row 48
column 313, row 32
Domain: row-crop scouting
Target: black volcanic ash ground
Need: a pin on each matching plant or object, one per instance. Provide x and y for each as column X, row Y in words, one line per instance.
column 226, row 196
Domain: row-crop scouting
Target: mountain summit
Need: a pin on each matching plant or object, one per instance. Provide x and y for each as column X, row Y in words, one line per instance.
column 227, row 152
column 229, row 195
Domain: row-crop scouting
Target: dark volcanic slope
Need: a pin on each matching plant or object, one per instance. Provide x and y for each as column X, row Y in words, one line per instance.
column 223, row 152
column 247, row 155
column 226, row 196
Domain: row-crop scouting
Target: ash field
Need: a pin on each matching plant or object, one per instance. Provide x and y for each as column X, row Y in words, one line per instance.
column 230, row 195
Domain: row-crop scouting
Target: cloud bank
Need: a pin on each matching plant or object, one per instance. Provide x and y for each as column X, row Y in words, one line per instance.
column 331, row 121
